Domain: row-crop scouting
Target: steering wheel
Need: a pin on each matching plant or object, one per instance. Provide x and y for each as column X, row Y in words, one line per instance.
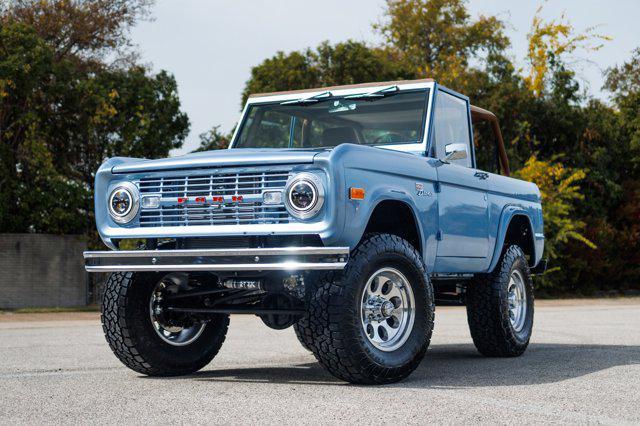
column 388, row 137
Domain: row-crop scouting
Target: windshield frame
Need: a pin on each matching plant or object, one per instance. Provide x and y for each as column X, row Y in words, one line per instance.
column 414, row 147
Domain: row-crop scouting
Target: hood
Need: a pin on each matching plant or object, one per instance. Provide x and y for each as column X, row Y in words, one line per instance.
column 221, row 158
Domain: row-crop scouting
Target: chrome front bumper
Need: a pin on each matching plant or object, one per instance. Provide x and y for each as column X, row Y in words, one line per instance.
column 230, row 260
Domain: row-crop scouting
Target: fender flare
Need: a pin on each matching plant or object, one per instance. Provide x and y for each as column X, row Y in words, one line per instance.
column 401, row 197
column 508, row 213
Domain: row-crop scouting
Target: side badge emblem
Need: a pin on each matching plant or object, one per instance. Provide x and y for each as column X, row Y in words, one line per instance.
column 421, row 192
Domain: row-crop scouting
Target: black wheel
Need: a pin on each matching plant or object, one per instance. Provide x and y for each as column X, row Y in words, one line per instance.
column 500, row 307
column 152, row 342
column 372, row 322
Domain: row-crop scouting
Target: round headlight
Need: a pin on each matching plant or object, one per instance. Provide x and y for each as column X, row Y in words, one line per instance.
column 304, row 195
column 124, row 202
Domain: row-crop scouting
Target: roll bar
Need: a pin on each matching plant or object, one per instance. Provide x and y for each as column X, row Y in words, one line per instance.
column 479, row 115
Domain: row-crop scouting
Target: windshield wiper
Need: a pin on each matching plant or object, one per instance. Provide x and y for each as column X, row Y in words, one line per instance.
column 309, row 100
column 376, row 94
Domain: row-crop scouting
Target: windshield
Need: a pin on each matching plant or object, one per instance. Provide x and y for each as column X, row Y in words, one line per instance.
column 327, row 121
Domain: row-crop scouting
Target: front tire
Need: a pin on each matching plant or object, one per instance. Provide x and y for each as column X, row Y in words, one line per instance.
column 372, row 322
column 500, row 307
column 303, row 333
column 141, row 341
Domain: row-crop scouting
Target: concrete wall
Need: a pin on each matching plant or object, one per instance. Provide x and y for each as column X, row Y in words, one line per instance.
column 40, row 270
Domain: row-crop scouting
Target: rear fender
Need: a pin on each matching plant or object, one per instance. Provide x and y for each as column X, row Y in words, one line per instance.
column 508, row 213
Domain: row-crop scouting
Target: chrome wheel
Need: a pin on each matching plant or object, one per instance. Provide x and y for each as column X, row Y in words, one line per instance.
column 517, row 297
column 169, row 332
column 387, row 309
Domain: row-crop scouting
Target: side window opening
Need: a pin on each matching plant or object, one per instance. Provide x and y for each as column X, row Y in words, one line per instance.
column 486, row 149
column 490, row 152
column 451, row 130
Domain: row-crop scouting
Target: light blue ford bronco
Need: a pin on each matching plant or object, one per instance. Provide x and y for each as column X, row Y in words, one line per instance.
column 346, row 212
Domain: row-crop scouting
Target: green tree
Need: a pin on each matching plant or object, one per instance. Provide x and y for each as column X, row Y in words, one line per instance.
column 559, row 188
column 344, row 63
column 119, row 112
column 548, row 41
column 65, row 106
column 438, row 39
column 281, row 72
column 33, row 192
column 214, row 139
column 625, row 79
column 624, row 83
column 611, row 148
column 86, row 31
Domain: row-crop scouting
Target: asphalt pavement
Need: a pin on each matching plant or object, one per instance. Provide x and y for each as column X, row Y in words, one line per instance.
column 583, row 366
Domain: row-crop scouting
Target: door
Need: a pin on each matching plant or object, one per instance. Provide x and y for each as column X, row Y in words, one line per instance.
column 462, row 213
column 463, row 216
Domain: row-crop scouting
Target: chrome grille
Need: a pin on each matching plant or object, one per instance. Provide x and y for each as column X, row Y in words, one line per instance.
column 247, row 210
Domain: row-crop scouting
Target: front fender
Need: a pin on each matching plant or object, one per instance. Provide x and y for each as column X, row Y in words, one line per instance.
column 380, row 195
column 385, row 175
column 508, row 213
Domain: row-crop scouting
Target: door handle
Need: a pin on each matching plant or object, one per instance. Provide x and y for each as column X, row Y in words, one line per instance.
column 481, row 175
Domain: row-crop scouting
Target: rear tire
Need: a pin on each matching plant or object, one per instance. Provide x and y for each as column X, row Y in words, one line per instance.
column 500, row 325
column 362, row 336
column 133, row 338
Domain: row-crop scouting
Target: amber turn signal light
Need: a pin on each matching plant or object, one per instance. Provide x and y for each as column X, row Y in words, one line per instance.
column 356, row 193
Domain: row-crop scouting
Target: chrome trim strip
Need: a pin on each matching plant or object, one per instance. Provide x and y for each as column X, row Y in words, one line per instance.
column 219, row 252
column 284, row 266
column 243, row 259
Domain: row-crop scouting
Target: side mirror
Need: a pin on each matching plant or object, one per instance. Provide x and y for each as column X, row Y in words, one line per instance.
column 455, row 151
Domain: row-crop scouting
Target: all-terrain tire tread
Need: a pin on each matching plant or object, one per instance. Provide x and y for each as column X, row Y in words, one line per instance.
column 490, row 329
column 119, row 330
column 329, row 307
column 114, row 324
column 302, row 329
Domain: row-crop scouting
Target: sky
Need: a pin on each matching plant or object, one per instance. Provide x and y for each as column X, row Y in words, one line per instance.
column 211, row 45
